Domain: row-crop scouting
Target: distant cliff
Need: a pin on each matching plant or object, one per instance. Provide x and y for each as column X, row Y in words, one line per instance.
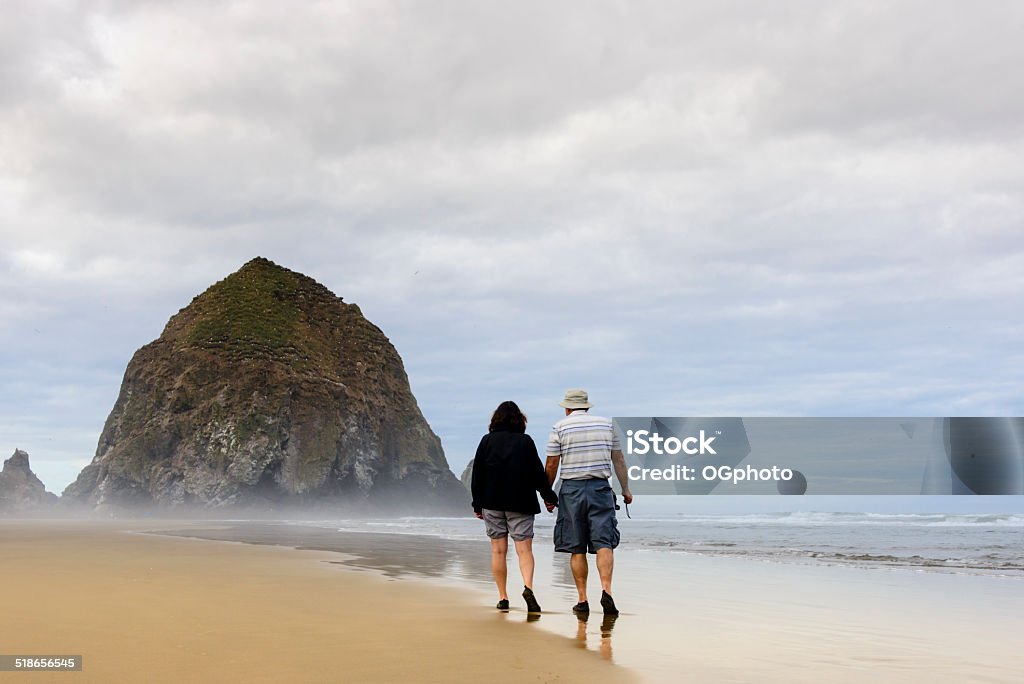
column 268, row 390
column 20, row 489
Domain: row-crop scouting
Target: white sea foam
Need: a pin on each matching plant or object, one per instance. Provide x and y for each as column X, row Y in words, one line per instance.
column 961, row 543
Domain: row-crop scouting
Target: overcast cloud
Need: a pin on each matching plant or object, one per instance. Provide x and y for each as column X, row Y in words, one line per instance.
column 721, row 208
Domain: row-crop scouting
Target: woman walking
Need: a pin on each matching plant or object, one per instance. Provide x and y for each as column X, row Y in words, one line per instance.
column 507, row 473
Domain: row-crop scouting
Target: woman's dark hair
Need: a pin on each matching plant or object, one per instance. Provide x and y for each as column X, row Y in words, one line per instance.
column 508, row 418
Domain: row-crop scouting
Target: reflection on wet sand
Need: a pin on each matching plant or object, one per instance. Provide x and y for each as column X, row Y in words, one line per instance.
column 516, row 616
column 607, row 625
column 394, row 555
column 776, row 611
column 408, row 555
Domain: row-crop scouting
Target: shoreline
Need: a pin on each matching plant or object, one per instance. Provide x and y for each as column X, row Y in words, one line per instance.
column 693, row 617
column 720, row 618
column 139, row 605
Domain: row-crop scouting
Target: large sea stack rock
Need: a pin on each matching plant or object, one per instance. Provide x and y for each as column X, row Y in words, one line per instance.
column 268, row 391
column 20, row 489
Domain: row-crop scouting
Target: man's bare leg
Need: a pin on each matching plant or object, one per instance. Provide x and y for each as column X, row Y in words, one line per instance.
column 605, row 565
column 578, row 563
column 499, row 569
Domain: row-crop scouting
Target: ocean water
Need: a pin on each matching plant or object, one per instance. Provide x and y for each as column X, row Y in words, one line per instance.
column 983, row 544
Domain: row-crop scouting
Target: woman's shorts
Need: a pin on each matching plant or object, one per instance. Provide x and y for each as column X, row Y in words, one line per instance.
column 501, row 524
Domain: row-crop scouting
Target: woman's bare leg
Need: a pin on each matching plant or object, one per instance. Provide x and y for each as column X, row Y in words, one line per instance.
column 524, row 550
column 499, row 569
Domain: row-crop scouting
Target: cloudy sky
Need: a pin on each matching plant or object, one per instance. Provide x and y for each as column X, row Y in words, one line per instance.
column 791, row 208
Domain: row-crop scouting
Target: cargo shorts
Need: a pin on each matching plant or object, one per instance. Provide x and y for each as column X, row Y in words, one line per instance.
column 586, row 517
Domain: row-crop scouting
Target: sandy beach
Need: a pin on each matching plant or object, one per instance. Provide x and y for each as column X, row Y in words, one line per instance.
column 279, row 601
column 151, row 608
column 701, row 618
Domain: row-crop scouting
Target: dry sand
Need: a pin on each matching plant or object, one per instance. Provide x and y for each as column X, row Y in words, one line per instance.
column 153, row 608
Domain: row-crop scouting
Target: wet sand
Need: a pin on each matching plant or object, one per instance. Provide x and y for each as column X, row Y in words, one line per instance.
column 717, row 619
column 349, row 606
column 154, row 608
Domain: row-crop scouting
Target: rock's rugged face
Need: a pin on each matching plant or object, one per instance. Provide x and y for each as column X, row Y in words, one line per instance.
column 20, row 489
column 268, row 389
column 467, row 476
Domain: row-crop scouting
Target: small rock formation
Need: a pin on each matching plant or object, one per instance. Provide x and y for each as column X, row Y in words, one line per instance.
column 467, row 476
column 267, row 390
column 20, row 489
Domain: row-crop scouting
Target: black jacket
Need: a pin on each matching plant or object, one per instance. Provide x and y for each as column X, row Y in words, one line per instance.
column 506, row 473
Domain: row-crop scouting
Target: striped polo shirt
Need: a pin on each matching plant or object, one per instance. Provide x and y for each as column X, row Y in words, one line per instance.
column 584, row 443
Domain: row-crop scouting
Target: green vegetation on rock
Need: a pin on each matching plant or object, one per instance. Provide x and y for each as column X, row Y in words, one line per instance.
column 252, row 309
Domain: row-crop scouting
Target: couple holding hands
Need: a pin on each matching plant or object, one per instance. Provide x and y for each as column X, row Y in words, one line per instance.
column 508, row 474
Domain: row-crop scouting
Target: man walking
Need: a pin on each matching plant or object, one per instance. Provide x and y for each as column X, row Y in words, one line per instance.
column 588, row 451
